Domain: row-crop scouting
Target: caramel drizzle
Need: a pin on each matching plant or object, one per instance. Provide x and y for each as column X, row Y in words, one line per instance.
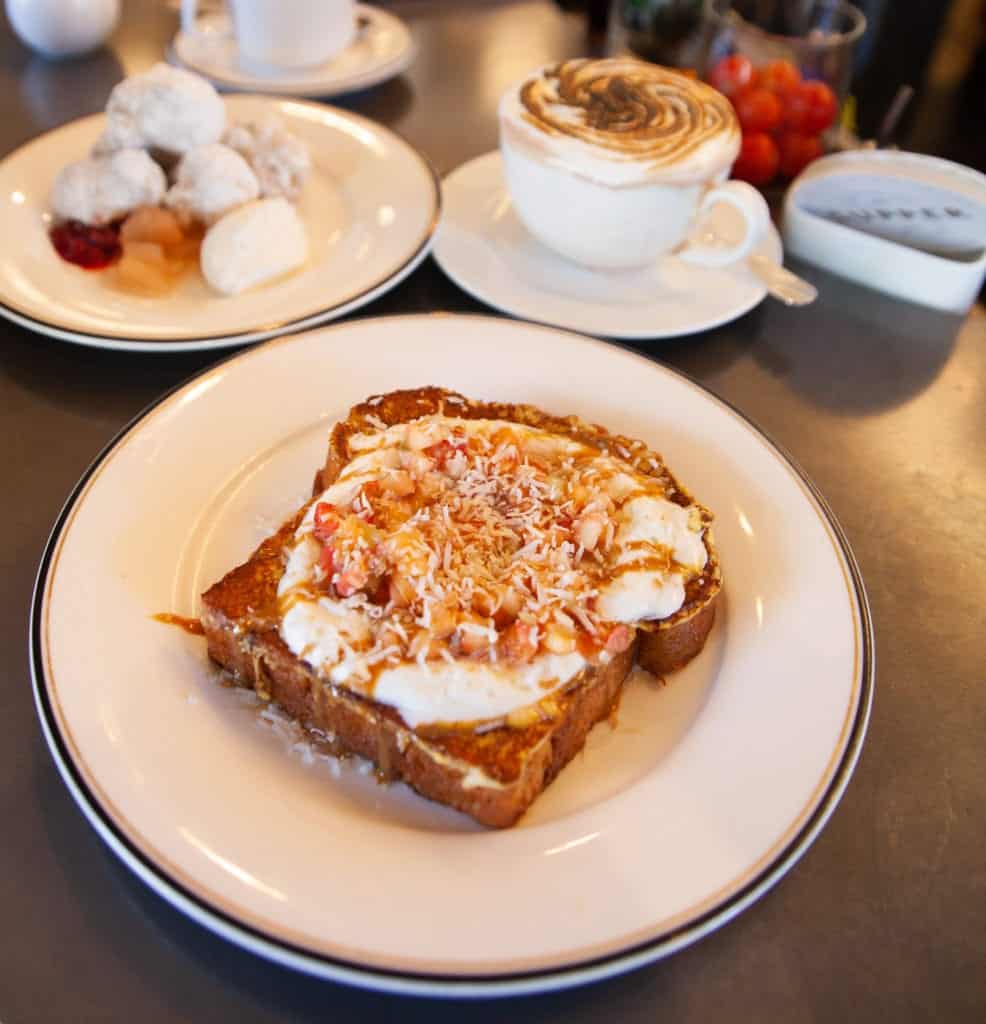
column 628, row 107
column 191, row 626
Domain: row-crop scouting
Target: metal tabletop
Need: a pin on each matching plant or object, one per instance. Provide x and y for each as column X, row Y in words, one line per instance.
column 883, row 404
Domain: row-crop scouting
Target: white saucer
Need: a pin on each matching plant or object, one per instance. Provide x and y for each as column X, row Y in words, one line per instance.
column 382, row 48
column 486, row 251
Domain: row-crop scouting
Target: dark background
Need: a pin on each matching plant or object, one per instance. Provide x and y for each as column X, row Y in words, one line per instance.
column 936, row 46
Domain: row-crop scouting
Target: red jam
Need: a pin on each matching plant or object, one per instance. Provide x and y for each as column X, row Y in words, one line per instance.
column 85, row 245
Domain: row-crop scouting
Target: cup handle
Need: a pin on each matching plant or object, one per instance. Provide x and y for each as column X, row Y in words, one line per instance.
column 750, row 205
column 190, row 22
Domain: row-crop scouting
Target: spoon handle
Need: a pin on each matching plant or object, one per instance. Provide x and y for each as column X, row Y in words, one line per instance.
column 782, row 284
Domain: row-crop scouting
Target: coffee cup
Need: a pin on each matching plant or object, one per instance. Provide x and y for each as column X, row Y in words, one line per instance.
column 273, row 35
column 614, row 163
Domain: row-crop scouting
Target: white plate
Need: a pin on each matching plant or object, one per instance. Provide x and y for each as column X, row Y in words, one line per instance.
column 370, row 208
column 487, row 252
column 383, row 48
column 699, row 799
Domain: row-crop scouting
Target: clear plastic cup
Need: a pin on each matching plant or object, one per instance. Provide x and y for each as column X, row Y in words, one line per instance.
column 817, row 36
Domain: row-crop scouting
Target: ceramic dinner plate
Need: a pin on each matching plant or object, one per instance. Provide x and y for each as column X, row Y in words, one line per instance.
column 369, row 207
column 675, row 818
column 382, row 48
column 483, row 247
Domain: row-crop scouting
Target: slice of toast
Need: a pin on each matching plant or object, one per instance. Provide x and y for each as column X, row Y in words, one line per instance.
column 492, row 771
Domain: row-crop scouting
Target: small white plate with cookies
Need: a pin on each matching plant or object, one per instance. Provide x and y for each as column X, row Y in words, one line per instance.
column 369, row 208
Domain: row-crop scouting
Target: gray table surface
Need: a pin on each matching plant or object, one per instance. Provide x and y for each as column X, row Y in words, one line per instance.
column 881, row 402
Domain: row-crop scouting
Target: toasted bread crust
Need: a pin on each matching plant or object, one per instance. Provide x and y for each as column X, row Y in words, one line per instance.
column 437, row 767
column 662, row 651
column 492, row 775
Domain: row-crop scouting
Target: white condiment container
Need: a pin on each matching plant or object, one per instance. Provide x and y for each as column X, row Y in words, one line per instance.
column 909, row 225
column 63, row 28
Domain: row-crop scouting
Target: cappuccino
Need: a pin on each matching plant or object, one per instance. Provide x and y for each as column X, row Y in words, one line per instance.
column 610, row 162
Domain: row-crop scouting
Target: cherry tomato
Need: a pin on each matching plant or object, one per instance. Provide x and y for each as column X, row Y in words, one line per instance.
column 811, row 108
column 758, row 110
column 758, row 159
column 797, row 151
column 780, row 76
column 731, row 74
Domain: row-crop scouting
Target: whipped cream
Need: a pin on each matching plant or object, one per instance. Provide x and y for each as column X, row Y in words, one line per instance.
column 642, row 593
column 164, row 108
column 639, row 550
column 253, row 244
column 103, row 189
column 279, row 159
column 621, row 122
column 211, row 180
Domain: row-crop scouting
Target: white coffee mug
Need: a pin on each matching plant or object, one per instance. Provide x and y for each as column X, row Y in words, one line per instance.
column 614, row 163
column 283, row 34
column 609, row 228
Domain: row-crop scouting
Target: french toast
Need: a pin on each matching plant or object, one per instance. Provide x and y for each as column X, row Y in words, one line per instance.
column 463, row 597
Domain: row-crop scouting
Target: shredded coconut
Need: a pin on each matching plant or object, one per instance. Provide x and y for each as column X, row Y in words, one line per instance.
column 476, row 528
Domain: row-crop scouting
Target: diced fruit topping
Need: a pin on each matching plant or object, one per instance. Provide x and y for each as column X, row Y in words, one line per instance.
column 490, row 545
column 498, row 476
column 354, row 577
column 619, row 639
column 398, row 483
column 326, row 521
column 588, row 529
column 327, row 561
column 559, row 639
column 442, row 451
column 519, row 642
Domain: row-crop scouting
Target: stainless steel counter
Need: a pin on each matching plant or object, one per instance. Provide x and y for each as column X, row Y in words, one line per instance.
column 881, row 402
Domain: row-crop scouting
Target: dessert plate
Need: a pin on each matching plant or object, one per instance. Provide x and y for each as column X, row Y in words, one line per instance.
column 369, row 207
column 383, row 48
column 673, row 820
column 483, row 247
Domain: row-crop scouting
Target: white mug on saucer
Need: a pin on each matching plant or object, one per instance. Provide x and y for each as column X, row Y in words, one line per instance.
column 612, row 164
column 283, row 34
